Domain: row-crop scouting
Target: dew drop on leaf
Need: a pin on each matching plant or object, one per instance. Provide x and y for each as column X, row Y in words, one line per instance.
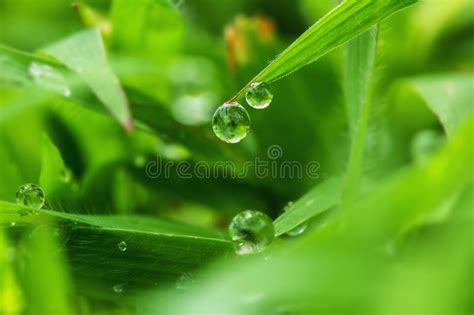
column 298, row 230
column 118, row 288
column 30, row 195
column 251, row 232
column 258, row 95
column 48, row 78
column 122, row 246
column 185, row 282
column 231, row 122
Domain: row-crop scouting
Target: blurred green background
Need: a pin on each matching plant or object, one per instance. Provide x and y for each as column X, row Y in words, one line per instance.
column 177, row 61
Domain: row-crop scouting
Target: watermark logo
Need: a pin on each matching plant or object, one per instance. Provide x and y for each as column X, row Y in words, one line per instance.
column 275, row 167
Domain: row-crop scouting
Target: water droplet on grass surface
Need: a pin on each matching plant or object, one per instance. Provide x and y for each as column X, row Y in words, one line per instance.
column 298, row 230
column 122, row 246
column 118, row 288
column 251, row 231
column 231, row 122
column 48, row 78
column 30, row 195
column 186, row 281
column 258, row 95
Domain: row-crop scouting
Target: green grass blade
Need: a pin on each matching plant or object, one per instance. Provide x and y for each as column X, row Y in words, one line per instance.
column 316, row 201
column 157, row 252
column 53, row 177
column 46, row 264
column 10, row 212
column 360, row 61
column 84, row 53
column 345, row 22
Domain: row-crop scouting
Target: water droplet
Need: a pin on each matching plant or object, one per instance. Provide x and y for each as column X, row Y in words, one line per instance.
column 231, row 122
column 50, row 79
column 30, row 195
column 186, row 281
column 297, row 230
column 118, row 288
column 258, row 95
column 251, row 231
column 122, row 246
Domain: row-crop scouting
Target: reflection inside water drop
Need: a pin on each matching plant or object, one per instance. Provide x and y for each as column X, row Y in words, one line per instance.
column 122, row 246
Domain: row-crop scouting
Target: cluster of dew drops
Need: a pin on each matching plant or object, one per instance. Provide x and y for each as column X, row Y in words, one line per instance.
column 231, row 122
column 251, row 231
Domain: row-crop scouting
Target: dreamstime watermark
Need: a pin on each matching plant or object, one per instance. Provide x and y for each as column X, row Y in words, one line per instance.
column 275, row 168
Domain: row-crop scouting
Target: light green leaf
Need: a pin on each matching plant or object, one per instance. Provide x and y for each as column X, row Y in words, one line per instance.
column 45, row 264
column 316, row 201
column 53, row 176
column 345, row 22
column 84, row 53
column 360, row 60
column 450, row 97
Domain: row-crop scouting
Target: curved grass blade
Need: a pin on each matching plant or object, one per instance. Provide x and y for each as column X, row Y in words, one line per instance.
column 348, row 20
column 84, row 53
column 316, row 201
column 450, row 97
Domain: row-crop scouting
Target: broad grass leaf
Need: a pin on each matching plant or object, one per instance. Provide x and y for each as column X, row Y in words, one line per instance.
column 84, row 53
column 448, row 96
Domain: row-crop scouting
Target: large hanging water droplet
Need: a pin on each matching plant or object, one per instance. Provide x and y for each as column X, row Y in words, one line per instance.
column 258, row 95
column 30, row 195
column 122, row 246
column 231, row 122
column 185, row 282
column 251, row 231
column 50, row 79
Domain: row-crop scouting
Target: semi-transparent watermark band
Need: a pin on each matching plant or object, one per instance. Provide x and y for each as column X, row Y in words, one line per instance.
column 275, row 167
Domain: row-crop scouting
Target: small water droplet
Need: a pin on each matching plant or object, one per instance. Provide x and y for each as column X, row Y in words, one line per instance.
column 122, row 246
column 186, row 281
column 258, row 95
column 298, row 230
column 231, row 122
column 30, row 195
column 251, row 231
column 48, row 78
column 118, row 288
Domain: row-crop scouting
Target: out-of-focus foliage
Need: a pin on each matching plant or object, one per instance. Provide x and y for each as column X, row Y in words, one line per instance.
column 96, row 96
